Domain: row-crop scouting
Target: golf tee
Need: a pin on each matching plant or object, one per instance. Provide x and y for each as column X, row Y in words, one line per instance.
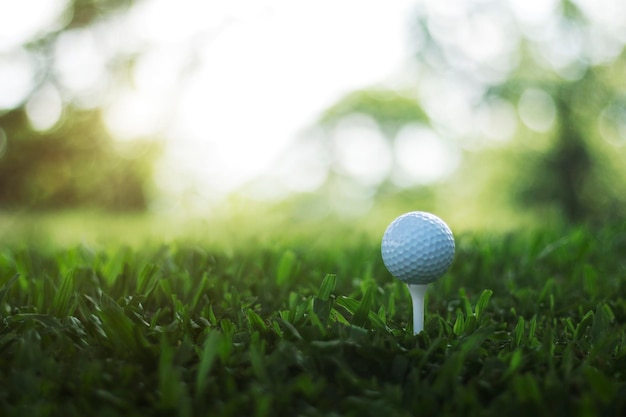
column 418, row 291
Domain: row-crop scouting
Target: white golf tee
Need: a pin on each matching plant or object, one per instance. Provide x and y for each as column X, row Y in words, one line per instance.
column 418, row 291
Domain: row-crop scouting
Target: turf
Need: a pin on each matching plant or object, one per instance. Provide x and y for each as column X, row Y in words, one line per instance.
column 528, row 323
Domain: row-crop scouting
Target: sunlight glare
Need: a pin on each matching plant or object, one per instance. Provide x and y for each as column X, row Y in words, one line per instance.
column 24, row 20
column 17, row 78
column 132, row 115
column 158, row 71
column 167, row 22
column 267, row 75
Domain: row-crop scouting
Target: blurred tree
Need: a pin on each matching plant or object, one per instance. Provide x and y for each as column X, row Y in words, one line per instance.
column 573, row 174
column 74, row 166
column 578, row 60
column 390, row 109
column 529, row 92
column 386, row 110
column 74, row 163
column 85, row 12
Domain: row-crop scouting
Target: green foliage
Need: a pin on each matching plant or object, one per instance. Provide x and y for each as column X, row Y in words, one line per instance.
column 528, row 323
column 390, row 109
column 75, row 166
column 574, row 172
column 86, row 12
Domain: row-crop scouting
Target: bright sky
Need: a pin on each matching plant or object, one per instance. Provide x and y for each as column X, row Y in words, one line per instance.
column 255, row 74
column 267, row 73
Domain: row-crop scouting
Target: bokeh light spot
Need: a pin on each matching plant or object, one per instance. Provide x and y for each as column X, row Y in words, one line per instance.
column 607, row 14
column 81, row 66
column 422, row 156
column 17, row 78
column 361, row 149
column 44, row 108
column 133, row 115
column 497, row 120
column 537, row 109
column 534, row 11
column 612, row 124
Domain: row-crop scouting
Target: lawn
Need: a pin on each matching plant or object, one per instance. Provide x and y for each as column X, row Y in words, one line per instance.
column 524, row 323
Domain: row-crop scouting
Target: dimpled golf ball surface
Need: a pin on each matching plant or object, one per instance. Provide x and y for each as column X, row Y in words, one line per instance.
column 417, row 247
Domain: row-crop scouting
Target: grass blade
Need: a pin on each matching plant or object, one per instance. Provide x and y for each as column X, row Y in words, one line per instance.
column 327, row 287
column 255, row 322
column 361, row 314
column 519, row 331
column 7, row 287
column 207, row 357
column 148, row 279
column 63, row 296
column 482, row 303
column 286, row 267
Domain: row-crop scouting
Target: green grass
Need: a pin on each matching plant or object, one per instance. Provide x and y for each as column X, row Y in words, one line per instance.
column 523, row 324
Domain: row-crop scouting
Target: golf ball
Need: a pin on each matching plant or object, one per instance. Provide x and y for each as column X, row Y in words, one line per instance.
column 417, row 247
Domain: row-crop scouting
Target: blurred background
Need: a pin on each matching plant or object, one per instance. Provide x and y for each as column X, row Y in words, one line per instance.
column 493, row 114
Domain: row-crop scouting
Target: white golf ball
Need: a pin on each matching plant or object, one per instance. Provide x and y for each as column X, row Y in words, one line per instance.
column 417, row 247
